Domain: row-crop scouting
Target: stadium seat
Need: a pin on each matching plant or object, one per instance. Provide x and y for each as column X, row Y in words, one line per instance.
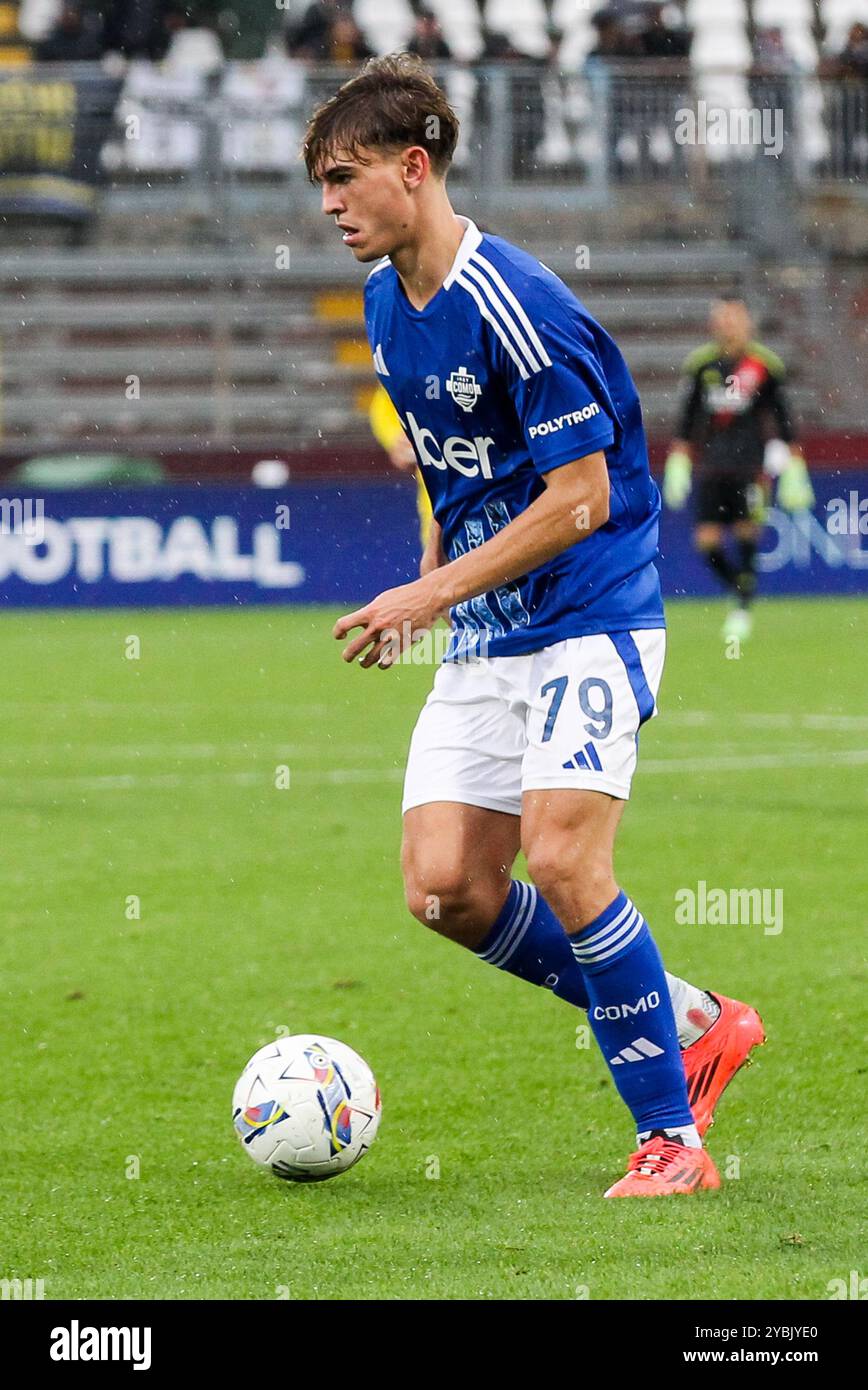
column 164, row 142
column 264, row 127
column 720, row 56
column 386, row 24
column 572, row 22
column 194, row 51
column 795, row 20
column 36, row 18
column 523, row 22
column 719, row 34
column 461, row 28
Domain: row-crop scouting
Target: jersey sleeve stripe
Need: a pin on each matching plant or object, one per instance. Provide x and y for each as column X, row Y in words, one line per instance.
column 472, row 272
column 481, row 261
column 495, row 323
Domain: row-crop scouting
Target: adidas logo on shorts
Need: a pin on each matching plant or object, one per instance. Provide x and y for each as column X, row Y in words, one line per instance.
column 587, row 758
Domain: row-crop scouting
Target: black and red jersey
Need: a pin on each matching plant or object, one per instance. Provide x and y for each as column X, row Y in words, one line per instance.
column 733, row 406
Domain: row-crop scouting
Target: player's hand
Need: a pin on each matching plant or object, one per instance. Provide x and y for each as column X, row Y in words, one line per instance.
column 392, row 622
column 795, row 492
column 677, row 479
column 402, row 456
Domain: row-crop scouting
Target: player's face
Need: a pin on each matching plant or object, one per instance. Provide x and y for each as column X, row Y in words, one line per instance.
column 367, row 201
column 731, row 325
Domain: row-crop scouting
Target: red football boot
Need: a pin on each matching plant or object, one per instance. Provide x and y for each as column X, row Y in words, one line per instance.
column 713, row 1060
column 662, row 1168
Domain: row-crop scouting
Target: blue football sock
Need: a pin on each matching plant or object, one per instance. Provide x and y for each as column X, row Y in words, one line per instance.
column 631, row 1015
column 527, row 940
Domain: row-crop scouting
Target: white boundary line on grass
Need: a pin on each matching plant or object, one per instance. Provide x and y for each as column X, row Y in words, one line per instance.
column 133, row 781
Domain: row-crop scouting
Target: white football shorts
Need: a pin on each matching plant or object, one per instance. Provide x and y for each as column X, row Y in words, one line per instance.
column 566, row 716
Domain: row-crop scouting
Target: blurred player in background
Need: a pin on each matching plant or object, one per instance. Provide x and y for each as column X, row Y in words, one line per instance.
column 507, row 389
column 389, row 434
column 736, row 428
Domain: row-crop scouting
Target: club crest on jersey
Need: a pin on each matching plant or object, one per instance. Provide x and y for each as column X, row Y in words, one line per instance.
column 463, row 388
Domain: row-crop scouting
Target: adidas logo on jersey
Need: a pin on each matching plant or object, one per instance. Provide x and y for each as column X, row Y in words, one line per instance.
column 467, row 456
column 639, row 1050
column 587, row 758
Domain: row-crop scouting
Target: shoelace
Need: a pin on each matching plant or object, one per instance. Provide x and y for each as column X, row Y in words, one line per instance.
column 644, row 1161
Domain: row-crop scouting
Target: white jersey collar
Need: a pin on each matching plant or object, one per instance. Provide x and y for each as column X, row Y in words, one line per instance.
column 468, row 244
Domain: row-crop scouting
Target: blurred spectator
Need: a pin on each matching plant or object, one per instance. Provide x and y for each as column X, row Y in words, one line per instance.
column 327, row 33
column 136, row 28
column 853, row 58
column 850, row 66
column 663, row 33
column 614, row 44
column 74, row 38
column 770, row 53
column 428, row 41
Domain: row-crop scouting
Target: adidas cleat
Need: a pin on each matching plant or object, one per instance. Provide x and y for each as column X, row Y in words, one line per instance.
column 713, row 1060
column 662, row 1167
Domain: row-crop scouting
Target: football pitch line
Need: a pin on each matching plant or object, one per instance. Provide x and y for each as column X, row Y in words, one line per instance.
column 689, row 718
column 135, row 781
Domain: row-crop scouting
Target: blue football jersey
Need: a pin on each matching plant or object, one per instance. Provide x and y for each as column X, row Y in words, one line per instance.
column 503, row 376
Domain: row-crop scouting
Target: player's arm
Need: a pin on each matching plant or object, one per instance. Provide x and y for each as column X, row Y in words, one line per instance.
column 432, row 556
column 677, row 474
column 575, row 503
column 784, row 458
column 573, row 506
column 386, row 429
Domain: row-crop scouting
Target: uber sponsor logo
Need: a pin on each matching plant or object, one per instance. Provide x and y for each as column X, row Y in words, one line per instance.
column 467, row 456
column 642, row 1005
column 558, row 422
column 77, row 1343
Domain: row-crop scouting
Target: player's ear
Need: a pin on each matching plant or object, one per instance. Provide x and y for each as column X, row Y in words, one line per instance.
column 415, row 166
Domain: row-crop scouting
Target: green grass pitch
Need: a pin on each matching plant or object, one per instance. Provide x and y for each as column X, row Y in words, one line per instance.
column 263, row 909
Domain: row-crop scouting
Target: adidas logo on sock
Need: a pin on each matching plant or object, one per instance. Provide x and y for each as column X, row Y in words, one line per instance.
column 587, row 758
column 639, row 1050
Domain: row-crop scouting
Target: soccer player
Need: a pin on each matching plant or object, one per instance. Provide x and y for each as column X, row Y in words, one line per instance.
column 528, row 433
column 735, row 424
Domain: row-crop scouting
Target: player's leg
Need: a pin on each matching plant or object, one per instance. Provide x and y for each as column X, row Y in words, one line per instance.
column 713, row 517
column 462, row 799
column 747, row 533
column 461, row 804
column 710, row 540
column 568, row 837
column 596, row 692
column 457, row 863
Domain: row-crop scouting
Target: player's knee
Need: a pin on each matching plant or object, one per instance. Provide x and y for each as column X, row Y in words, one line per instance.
column 440, row 897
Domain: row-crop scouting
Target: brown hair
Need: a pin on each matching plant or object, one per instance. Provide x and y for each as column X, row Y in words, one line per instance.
column 392, row 103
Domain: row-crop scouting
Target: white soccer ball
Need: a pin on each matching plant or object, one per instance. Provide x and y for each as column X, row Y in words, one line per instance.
column 307, row 1107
